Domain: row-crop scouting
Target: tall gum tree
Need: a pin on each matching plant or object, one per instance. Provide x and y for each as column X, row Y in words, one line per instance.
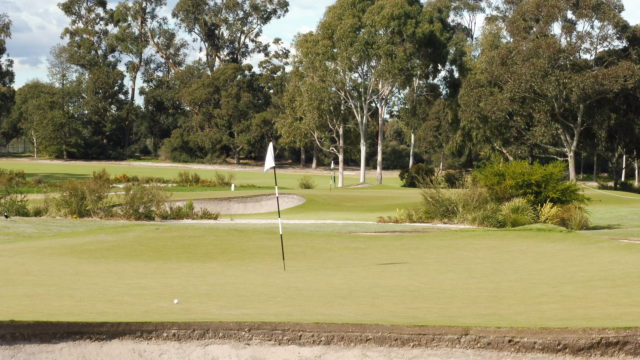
column 7, row 76
column 229, row 30
column 550, row 68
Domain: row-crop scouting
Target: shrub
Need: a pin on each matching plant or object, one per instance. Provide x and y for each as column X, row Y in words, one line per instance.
column 142, row 202
column 306, row 182
column 85, row 198
column 453, row 178
column 186, row 178
column 517, row 212
column 468, row 206
column 419, row 175
column 222, row 180
column 536, row 183
column 186, row 212
column 549, row 214
column 573, row 217
column 14, row 205
column 12, row 178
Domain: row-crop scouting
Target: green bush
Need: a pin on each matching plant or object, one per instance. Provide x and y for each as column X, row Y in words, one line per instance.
column 549, row 213
column 142, row 202
column 573, row 217
column 186, row 178
column 187, row 211
column 14, row 205
column 419, row 175
column 222, row 180
column 517, row 212
column 536, row 183
column 306, row 182
column 12, row 178
column 88, row 198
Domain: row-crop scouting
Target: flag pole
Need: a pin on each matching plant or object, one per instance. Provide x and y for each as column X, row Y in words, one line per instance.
column 275, row 178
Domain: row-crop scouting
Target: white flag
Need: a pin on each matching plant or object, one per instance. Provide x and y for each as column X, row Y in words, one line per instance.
column 269, row 161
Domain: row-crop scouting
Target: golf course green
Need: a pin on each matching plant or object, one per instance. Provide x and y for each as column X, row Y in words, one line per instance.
column 535, row 276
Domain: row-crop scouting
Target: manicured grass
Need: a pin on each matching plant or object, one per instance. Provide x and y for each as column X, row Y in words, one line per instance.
column 536, row 276
column 59, row 171
column 55, row 269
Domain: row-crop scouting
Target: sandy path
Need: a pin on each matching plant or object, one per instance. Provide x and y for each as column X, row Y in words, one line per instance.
column 129, row 350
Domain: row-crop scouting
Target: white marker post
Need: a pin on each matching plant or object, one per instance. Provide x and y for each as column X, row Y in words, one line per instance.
column 269, row 162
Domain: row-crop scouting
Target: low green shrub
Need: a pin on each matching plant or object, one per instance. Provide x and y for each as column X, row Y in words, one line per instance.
column 222, row 180
column 419, row 175
column 89, row 198
column 186, row 178
column 548, row 213
column 12, row 178
column 517, row 212
column 306, row 182
column 573, row 217
column 142, row 202
column 536, row 183
column 187, row 211
column 14, row 205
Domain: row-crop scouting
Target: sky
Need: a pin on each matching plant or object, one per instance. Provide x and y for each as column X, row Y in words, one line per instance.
column 37, row 25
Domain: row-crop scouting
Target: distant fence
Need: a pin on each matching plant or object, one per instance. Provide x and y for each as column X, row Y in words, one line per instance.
column 17, row 146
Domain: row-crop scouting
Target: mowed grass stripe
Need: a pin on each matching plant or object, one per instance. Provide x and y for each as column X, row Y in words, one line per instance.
column 132, row 272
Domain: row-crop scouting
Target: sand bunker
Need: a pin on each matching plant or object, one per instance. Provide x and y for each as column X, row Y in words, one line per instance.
column 245, row 204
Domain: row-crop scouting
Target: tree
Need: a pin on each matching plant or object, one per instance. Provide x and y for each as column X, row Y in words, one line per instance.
column 312, row 110
column 229, row 30
column 39, row 112
column 551, row 69
column 7, row 77
column 91, row 47
column 69, row 81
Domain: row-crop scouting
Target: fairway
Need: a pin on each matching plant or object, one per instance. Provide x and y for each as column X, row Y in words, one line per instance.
column 537, row 276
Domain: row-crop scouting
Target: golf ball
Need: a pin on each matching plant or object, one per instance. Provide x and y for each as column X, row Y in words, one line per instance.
column 175, row 301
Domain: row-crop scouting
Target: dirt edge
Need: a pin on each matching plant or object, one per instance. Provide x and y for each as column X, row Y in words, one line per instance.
column 581, row 342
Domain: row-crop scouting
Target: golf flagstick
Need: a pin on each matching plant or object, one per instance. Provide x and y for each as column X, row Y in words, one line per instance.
column 269, row 162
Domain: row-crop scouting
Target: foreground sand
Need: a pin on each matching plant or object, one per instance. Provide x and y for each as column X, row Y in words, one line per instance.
column 130, row 350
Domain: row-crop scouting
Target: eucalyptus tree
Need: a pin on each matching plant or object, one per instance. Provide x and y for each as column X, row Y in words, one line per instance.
column 550, row 68
column 91, row 47
column 229, row 30
column 312, row 110
column 7, row 76
column 69, row 82
column 39, row 112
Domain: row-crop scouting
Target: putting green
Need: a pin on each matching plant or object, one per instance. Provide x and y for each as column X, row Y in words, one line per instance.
column 537, row 276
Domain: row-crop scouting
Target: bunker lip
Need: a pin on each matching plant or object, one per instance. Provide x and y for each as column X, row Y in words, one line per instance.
column 580, row 342
column 253, row 204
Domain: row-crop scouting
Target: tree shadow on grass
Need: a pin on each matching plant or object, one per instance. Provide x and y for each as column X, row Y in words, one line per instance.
column 605, row 227
column 58, row 177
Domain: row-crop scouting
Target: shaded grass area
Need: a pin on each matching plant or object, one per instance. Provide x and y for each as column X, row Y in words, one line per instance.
column 117, row 271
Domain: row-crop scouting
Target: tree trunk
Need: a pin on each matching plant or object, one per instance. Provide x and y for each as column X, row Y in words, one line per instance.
column 341, row 157
column 363, row 157
column 381, row 112
column 636, row 165
column 413, row 142
column 236, row 157
column 35, row 145
column 623, row 178
column 595, row 166
column 314, row 160
column 572, row 165
column 64, row 152
column 303, row 156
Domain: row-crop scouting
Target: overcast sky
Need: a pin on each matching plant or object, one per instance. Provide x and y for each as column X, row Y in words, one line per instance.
column 37, row 25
